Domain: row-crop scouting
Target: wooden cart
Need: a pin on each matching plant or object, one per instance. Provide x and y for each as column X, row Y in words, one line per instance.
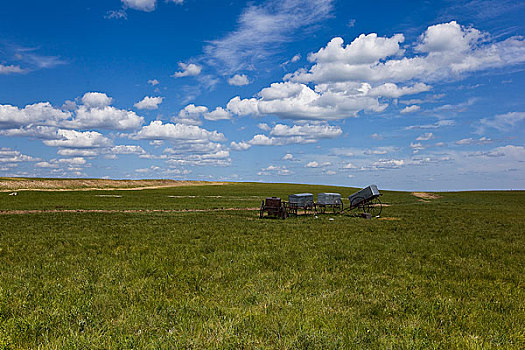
column 273, row 207
column 366, row 201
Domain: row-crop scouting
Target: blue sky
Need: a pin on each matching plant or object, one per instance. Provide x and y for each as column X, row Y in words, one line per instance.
column 410, row 95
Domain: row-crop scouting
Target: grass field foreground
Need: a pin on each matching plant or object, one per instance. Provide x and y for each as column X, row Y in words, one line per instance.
column 441, row 273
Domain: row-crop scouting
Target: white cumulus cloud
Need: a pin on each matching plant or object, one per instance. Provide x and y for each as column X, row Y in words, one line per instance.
column 410, row 109
column 282, row 134
column 187, row 70
column 77, row 139
column 239, row 80
column 105, row 118
column 190, row 115
column 141, row 5
column 8, row 155
column 156, row 130
column 298, row 101
column 218, row 113
column 11, row 69
column 42, row 113
column 96, row 100
column 149, row 103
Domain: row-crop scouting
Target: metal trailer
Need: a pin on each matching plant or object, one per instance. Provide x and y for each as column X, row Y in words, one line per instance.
column 329, row 201
column 304, row 201
column 274, row 207
column 366, row 200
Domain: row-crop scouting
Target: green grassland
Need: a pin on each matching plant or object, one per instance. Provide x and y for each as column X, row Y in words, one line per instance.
column 443, row 273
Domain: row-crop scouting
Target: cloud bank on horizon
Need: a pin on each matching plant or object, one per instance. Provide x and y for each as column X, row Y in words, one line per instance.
column 406, row 110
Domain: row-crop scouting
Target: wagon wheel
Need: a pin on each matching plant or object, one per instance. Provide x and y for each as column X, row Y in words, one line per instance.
column 282, row 212
column 359, row 203
column 374, row 207
column 261, row 211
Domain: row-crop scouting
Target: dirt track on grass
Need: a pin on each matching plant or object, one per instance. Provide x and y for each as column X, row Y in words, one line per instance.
column 17, row 212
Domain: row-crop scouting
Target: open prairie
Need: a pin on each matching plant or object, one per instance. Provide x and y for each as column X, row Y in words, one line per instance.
column 194, row 267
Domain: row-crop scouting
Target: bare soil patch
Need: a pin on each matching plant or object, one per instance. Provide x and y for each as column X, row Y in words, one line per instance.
column 425, row 195
column 20, row 184
column 389, row 218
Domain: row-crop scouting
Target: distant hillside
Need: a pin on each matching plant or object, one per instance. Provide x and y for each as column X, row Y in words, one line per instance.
column 20, row 184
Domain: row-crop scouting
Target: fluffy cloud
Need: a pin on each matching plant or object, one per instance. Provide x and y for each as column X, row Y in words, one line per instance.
column 96, row 100
column 149, row 103
column 298, row 101
column 10, row 69
column 240, row 146
column 393, row 91
column 312, row 164
column 156, row 130
column 292, row 60
column 74, row 164
column 77, row 139
column 40, row 120
column 282, row 134
column 288, row 156
column 49, row 165
column 218, row 113
column 107, row 117
column 264, row 127
column 449, row 37
column 7, row 155
column 127, row 149
column 388, row 163
column 72, row 152
column 73, row 161
column 141, row 5
column 37, row 114
column 444, row 51
column 322, row 131
column 187, row 70
column 410, row 109
column 274, row 170
column 219, row 158
column 363, row 153
column 196, row 151
column 365, row 49
column 190, row 115
column 239, row 80
column 153, row 82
